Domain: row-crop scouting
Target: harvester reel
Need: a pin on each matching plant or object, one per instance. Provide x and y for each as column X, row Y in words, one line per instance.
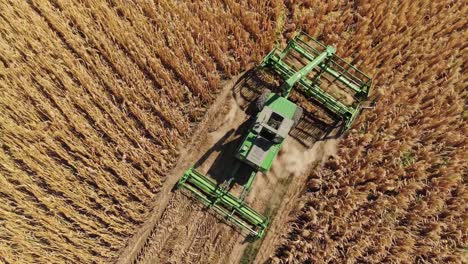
column 320, row 61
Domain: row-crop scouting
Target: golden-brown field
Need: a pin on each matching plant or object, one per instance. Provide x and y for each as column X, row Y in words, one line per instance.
column 396, row 191
column 98, row 97
column 95, row 98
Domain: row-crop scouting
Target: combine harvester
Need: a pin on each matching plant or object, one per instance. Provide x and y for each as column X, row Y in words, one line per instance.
column 301, row 64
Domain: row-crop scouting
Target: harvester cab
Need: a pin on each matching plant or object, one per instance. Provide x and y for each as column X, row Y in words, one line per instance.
column 277, row 116
column 304, row 64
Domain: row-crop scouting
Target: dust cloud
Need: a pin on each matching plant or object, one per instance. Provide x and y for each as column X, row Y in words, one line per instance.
column 295, row 159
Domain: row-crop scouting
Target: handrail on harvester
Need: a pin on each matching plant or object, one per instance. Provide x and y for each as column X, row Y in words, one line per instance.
column 221, row 201
column 323, row 59
column 319, row 60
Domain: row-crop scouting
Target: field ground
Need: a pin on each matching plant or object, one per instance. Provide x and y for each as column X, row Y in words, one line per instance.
column 103, row 105
column 95, row 100
column 186, row 232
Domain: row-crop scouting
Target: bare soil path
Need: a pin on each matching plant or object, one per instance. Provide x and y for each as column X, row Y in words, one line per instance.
column 186, row 159
column 182, row 230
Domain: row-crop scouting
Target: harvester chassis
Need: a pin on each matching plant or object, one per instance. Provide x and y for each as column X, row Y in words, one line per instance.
column 276, row 117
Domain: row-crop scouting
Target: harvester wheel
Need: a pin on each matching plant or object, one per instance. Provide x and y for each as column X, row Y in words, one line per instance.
column 297, row 115
column 261, row 100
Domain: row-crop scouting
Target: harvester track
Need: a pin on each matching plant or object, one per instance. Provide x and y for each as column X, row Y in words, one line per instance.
column 186, row 231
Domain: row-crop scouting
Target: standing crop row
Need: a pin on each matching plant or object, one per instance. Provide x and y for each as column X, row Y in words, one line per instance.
column 396, row 191
column 95, row 101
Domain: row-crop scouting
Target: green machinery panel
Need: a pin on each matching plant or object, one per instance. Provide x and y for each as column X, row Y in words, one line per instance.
column 321, row 60
column 324, row 60
column 224, row 203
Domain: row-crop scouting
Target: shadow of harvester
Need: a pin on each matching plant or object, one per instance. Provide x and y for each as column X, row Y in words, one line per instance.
column 246, row 90
column 311, row 127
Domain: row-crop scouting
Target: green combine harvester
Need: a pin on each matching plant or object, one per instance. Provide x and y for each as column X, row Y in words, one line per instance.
column 301, row 65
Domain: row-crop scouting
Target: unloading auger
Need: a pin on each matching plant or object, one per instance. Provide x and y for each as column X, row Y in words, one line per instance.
column 301, row 64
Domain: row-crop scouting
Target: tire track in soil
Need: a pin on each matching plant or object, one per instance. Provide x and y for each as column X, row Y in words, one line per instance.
column 169, row 207
column 188, row 233
column 230, row 246
column 197, row 240
column 207, row 238
column 182, row 233
column 157, row 240
column 221, row 239
column 195, row 236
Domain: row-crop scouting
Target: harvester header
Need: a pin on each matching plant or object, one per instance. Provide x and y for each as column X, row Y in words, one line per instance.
column 320, row 61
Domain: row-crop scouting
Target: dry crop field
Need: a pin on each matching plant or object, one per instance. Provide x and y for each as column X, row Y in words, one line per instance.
column 396, row 191
column 98, row 97
column 95, row 99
